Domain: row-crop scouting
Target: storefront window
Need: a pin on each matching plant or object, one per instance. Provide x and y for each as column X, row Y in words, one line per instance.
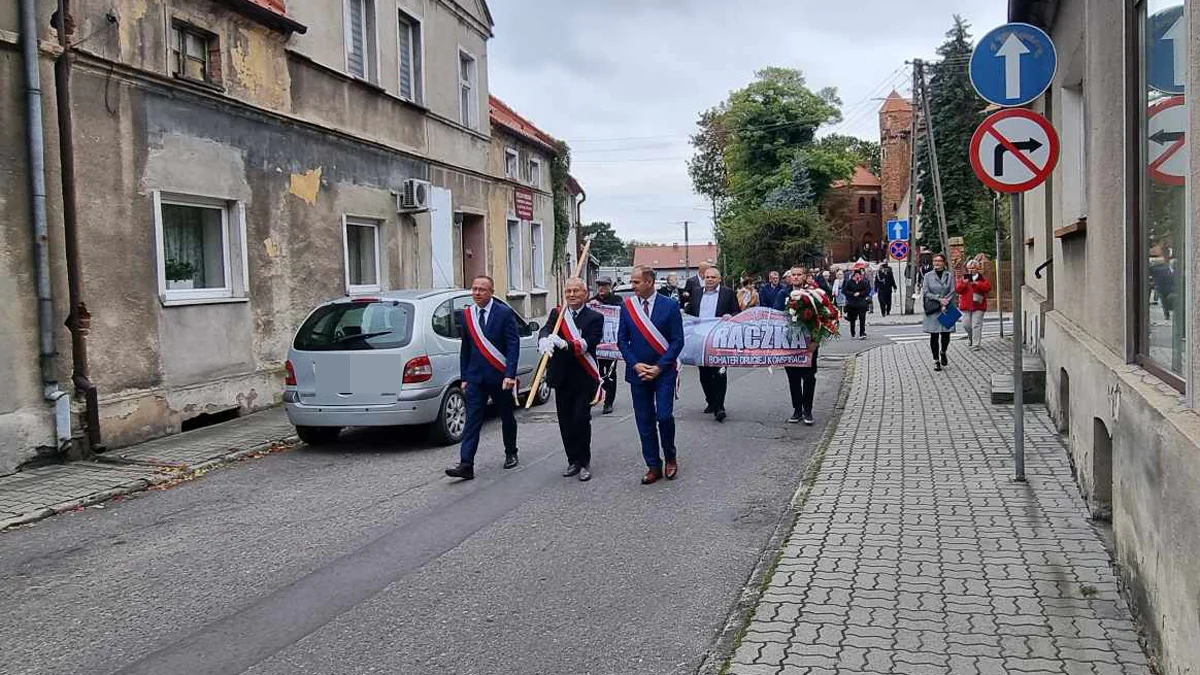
column 1163, row 222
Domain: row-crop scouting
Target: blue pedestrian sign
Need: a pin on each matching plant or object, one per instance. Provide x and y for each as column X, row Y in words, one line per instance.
column 1013, row 64
column 897, row 229
column 1166, row 50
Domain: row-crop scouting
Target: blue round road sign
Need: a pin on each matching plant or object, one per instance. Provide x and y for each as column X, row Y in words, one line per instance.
column 1166, row 50
column 1013, row 64
column 898, row 249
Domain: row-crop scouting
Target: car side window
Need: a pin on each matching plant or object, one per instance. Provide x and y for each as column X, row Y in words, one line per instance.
column 460, row 305
column 443, row 321
column 523, row 326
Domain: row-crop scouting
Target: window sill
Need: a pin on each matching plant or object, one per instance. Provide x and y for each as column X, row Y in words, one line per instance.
column 516, row 294
column 363, row 290
column 1075, row 229
column 539, row 291
column 203, row 84
column 181, row 302
column 1168, row 378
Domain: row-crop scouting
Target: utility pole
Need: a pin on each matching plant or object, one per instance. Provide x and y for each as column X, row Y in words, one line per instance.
column 933, row 159
column 999, row 285
column 1018, row 276
column 687, row 251
column 914, row 256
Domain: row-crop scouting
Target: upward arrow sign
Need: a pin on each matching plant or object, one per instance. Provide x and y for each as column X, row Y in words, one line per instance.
column 1011, row 52
column 897, row 230
column 1177, row 34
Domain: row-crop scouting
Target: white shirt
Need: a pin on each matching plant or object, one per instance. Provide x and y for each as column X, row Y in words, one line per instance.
column 487, row 312
column 638, row 301
column 708, row 303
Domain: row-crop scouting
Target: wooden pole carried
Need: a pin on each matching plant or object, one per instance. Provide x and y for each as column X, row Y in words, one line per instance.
column 541, row 369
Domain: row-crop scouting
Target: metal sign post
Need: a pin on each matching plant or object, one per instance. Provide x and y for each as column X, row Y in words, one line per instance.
column 1018, row 275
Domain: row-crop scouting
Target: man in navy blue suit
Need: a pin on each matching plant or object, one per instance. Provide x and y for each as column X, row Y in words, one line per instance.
column 491, row 347
column 650, row 338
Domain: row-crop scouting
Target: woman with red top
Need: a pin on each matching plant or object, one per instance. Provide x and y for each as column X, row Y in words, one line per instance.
column 973, row 290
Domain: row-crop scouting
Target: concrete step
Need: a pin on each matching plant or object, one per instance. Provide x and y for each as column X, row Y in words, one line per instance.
column 1033, row 382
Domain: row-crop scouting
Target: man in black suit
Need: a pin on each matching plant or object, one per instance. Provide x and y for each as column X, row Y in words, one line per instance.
column 694, row 285
column 713, row 301
column 574, row 374
column 608, row 367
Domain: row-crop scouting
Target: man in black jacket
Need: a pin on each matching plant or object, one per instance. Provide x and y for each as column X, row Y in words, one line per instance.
column 574, row 374
column 858, row 299
column 694, row 285
column 608, row 367
column 714, row 301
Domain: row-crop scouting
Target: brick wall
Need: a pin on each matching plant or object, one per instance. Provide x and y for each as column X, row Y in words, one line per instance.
column 894, row 132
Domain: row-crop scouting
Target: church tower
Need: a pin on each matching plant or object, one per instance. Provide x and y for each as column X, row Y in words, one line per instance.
column 895, row 149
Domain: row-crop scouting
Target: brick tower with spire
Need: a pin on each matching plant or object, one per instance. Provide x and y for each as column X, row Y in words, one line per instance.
column 895, row 144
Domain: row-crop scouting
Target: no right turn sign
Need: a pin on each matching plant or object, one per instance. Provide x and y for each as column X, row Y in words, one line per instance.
column 1014, row 150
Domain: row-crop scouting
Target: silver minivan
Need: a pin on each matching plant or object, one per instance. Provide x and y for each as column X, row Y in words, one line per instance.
column 387, row 360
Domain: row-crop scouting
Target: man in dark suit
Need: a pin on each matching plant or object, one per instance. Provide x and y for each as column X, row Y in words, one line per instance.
column 608, row 367
column 694, row 284
column 574, row 374
column 770, row 290
column 714, row 302
column 650, row 338
column 491, row 347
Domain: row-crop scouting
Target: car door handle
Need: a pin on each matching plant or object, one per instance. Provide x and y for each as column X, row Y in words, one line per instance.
column 345, row 394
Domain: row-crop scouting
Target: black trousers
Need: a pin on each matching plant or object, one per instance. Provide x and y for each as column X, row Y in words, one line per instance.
column 802, row 385
column 574, row 404
column 715, row 384
column 860, row 315
column 934, row 340
column 608, row 370
column 885, row 303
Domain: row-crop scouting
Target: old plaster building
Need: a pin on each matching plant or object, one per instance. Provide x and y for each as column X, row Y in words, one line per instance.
column 1113, row 312
column 235, row 163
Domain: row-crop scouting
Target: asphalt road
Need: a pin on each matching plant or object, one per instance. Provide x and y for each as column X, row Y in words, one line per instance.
column 364, row 558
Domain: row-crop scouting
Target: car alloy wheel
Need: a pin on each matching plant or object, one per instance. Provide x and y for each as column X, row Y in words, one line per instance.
column 455, row 413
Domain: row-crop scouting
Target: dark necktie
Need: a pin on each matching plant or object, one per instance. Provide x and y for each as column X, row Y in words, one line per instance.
column 574, row 314
column 646, row 307
column 482, row 317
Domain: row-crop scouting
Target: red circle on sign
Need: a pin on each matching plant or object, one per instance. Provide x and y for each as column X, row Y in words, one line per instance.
column 898, row 249
column 989, row 126
column 1156, row 108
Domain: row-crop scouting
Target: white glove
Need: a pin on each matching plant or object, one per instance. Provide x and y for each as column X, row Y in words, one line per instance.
column 557, row 341
column 546, row 346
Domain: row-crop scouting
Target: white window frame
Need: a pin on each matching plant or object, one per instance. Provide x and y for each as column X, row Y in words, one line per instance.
column 534, row 161
column 518, row 283
column 537, row 255
column 1074, row 160
column 370, row 41
column 416, row 58
column 228, row 208
column 515, row 173
column 472, row 121
column 361, row 221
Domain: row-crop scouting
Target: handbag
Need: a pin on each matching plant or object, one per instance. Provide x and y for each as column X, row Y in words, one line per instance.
column 932, row 306
column 950, row 316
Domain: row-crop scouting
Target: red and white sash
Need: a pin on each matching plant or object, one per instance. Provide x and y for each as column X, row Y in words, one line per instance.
column 647, row 328
column 494, row 356
column 572, row 334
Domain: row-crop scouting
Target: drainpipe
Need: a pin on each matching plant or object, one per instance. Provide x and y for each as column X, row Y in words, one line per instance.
column 78, row 320
column 35, row 138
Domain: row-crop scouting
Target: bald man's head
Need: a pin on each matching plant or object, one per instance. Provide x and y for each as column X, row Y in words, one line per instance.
column 575, row 292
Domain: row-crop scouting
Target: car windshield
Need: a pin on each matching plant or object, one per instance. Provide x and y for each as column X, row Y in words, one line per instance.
column 356, row 326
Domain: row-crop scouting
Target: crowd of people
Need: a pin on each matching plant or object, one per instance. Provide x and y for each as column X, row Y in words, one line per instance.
column 651, row 337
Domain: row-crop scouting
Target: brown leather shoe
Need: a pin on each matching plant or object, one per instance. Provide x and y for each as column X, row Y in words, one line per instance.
column 651, row 476
column 671, row 469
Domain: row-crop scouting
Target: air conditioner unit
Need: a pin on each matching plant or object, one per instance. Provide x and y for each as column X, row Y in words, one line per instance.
column 414, row 196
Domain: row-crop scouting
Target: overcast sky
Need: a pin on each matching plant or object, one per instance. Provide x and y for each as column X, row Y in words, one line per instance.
column 622, row 81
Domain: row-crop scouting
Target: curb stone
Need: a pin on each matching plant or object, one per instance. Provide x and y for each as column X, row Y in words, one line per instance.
column 718, row 657
column 161, row 475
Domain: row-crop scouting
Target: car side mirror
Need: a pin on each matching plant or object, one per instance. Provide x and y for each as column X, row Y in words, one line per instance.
column 533, row 326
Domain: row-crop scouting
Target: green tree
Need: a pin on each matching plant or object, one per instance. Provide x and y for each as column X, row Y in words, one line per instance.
column 707, row 167
column 763, row 239
column 956, row 111
column 606, row 245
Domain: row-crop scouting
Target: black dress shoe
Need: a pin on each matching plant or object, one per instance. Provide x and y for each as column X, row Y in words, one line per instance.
column 945, row 361
column 721, row 415
column 708, row 410
column 607, row 410
column 463, row 471
column 510, row 461
column 572, row 470
column 584, row 474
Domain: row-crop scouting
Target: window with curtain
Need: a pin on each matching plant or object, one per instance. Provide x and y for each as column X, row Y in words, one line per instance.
column 514, row 255
column 410, row 58
column 468, row 109
column 194, row 246
column 537, row 266
column 360, row 38
column 362, row 255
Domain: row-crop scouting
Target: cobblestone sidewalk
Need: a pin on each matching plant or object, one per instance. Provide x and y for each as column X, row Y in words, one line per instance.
column 915, row 553
column 38, row 493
